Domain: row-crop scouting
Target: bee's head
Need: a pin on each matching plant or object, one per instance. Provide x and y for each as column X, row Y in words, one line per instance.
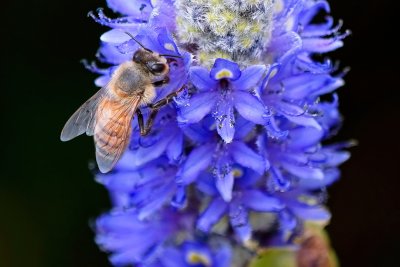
column 155, row 63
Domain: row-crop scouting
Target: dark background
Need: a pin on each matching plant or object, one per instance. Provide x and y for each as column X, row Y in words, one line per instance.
column 48, row 195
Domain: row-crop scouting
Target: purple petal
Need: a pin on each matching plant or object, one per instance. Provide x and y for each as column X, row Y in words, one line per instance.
column 127, row 22
column 126, row 257
column 306, row 213
column 303, row 85
column 250, row 77
column 206, row 184
column 305, row 121
column 199, row 106
column 179, row 199
column 225, row 69
column 322, row 45
column 223, row 256
column 119, row 222
column 287, row 221
column 110, row 54
column 197, row 133
column 174, row 149
column 305, row 63
column 172, row 257
column 137, row 8
column 166, row 41
column 334, row 84
column 311, row 11
column 143, row 155
column 246, row 157
column 289, row 109
column 248, row 179
column 321, row 29
column 197, row 161
column 274, row 131
column 239, row 220
column 259, row 201
column 159, row 198
column 242, row 127
column 330, row 176
column 163, row 14
column 120, row 181
column 212, row 214
column 250, row 108
column 225, row 186
column 200, row 78
column 304, row 137
column 336, row 158
column 225, row 120
column 102, row 80
column 117, row 36
column 277, row 182
column 304, row 172
column 285, row 46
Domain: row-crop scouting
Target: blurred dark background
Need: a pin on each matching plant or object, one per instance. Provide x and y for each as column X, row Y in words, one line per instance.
column 48, row 195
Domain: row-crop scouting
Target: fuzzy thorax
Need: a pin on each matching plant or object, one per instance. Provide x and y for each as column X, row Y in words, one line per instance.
column 238, row 30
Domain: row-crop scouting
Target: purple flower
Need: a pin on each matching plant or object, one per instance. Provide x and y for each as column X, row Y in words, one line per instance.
column 246, row 140
column 217, row 158
column 195, row 253
column 222, row 91
column 246, row 196
column 123, row 233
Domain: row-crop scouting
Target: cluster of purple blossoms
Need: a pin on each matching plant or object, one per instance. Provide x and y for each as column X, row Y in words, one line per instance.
column 237, row 161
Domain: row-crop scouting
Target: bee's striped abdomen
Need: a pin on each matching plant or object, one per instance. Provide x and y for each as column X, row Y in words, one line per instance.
column 112, row 130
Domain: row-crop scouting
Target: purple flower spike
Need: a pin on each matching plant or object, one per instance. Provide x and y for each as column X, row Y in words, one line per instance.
column 236, row 155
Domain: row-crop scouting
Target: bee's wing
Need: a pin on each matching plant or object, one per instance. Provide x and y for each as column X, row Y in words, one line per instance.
column 83, row 120
column 112, row 131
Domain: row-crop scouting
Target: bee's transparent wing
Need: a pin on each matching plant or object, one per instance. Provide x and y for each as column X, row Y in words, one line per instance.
column 112, row 131
column 83, row 120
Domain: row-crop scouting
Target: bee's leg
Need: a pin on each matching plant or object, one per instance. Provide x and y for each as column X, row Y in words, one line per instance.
column 140, row 121
column 161, row 82
column 145, row 129
column 155, row 107
column 159, row 104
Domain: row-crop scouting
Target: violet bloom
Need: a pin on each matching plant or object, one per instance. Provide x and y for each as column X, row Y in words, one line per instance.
column 239, row 159
column 215, row 156
column 221, row 91
column 246, row 196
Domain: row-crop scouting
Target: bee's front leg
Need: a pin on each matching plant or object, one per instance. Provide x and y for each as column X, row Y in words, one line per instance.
column 159, row 104
column 155, row 107
column 145, row 129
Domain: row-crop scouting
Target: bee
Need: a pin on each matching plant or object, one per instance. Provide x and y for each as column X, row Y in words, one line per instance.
column 108, row 114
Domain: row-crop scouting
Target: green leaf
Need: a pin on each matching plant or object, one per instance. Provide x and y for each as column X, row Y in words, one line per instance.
column 275, row 257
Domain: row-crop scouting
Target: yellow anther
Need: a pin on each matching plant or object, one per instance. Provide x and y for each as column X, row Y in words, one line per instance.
column 197, row 258
column 246, row 42
column 211, row 18
column 228, row 16
column 255, row 28
column 307, row 200
column 237, row 173
column 224, row 73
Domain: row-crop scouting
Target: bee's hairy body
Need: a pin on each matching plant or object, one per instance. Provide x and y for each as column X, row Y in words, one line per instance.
column 108, row 114
column 131, row 80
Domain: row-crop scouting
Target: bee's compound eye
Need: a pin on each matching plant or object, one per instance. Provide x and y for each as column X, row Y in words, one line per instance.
column 157, row 68
column 136, row 57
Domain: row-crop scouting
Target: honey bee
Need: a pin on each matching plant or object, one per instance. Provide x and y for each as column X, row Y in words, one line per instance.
column 108, row 114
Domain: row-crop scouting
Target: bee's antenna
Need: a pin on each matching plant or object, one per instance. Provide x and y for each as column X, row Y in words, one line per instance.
column 137, row 41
